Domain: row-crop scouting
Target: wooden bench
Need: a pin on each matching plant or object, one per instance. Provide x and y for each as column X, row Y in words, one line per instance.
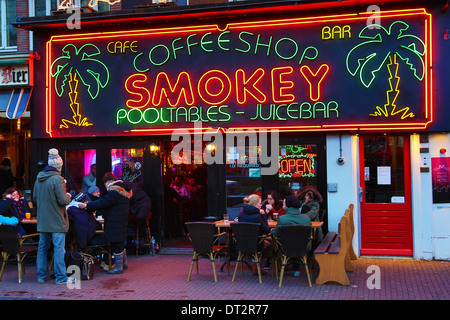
column 331, row 254
column 351, row 251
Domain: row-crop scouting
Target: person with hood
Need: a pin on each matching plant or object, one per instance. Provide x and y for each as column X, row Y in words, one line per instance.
column 116, row 208
column 140, row 211
column 311, row 198
column 50, row 195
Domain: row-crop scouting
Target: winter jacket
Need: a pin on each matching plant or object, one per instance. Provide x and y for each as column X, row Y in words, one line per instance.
column 116, row 208
column 50, row 196
column 252, row 214
column 82, row 224
column 291, row 216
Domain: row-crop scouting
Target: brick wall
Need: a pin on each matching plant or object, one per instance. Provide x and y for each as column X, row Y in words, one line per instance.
column 23, row 36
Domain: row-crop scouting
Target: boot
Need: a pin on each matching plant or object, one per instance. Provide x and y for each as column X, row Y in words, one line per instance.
column 125, row 265
column 118, row 269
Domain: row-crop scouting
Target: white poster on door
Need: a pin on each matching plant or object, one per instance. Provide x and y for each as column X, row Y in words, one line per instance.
column 384, row 175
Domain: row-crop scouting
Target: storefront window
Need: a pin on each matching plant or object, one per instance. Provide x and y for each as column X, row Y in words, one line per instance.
column 78, row 164
column 243, row 174
column 127, row 165
column 384, row 169
column 297, row 166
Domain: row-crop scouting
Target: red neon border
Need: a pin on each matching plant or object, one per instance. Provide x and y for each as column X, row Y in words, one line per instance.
column 261, row 24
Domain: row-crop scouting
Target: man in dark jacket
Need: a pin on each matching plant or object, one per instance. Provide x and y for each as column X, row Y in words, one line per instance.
column 50, row 195
column 116, row 208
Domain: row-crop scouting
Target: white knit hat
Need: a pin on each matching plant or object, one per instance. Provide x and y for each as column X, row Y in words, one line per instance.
column 54, row 159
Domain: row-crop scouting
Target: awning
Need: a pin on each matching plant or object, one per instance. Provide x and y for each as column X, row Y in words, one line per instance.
column 15, row 101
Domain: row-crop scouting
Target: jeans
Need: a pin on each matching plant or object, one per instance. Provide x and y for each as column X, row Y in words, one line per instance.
column 59, row 266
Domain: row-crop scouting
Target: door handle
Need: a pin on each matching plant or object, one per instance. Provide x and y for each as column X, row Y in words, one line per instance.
column 361, row 194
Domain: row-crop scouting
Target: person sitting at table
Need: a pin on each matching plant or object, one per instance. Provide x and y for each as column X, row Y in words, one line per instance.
column 292, row 216
column 272, row 206
column 9, row 210
column 253, row 213
column 82, row 225
column 310, row 197
column 19, row 203
column 6, row 215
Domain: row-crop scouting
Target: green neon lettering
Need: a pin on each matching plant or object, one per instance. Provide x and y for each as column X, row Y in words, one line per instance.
column 226, row 114
column 211, row 112
column 193, row 114
column 277, row 116
column 178, row 114
column 175, row 49
column 317, row 108
column 139, row 116
column 293, row 107
column 335, row 109
column 286, row 39
column 189, row 45
column 305, row 110
column 148, row 110
column 150, row 54
column 134, row 63
column 121, row 114
column 268, row 45
column 219, row 41
column 309, row 53
column 204, row 43
column 247, row 43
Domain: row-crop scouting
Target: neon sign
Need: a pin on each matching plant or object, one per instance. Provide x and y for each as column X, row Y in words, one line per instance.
column 290, row 74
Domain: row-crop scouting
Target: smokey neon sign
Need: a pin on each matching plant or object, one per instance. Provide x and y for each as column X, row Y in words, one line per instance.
column 321, row 73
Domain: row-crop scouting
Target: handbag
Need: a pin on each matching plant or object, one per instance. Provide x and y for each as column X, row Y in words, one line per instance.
column 87, row 271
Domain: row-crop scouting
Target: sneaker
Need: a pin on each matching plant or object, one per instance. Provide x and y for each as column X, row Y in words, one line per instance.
column 296, row 273
column 43, row 280
column 68, row 280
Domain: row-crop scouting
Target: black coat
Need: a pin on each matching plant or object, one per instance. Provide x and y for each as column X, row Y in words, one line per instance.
column 253, row 215
column 82, row 225
column 116, row 208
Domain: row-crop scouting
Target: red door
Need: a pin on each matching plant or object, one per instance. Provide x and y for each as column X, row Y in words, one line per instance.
column 385, row 180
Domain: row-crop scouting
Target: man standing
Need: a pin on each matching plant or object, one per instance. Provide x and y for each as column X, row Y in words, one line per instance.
column 90, row 179
column 52, row 221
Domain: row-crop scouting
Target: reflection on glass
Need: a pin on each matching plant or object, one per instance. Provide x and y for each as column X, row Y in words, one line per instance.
column 243, row 173
column 127, row 165
column 383, row 169
column 77, row 165
column 296, row 168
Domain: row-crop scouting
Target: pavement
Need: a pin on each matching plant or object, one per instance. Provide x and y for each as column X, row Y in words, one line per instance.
column 164, row 277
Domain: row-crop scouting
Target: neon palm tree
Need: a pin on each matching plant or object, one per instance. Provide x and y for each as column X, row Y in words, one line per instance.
column 78, row 63
column 382, row 47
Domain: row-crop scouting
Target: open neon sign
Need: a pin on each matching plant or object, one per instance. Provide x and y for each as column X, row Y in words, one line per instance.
column 259, row 74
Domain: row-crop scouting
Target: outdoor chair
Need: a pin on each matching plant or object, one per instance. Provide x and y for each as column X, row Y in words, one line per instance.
column 147, row 245
column 204, row 239
column 19, row 246
column 248, row 243
column 294, row 243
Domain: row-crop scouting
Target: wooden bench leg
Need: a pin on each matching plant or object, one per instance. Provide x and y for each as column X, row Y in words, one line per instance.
column 331, row 268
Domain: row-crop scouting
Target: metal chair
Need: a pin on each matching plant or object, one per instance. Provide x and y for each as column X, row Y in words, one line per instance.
column 14, row 244
column 295, row 242
column 204, row 238
column 248, row 243
column 147, row 245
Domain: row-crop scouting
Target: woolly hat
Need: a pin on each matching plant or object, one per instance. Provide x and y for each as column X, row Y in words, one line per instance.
column 92, row 189
column 54, row 159
column 292, row 202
